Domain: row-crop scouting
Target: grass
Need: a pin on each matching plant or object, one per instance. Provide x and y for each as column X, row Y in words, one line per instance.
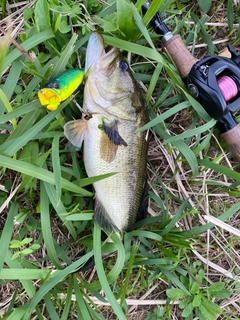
column 182, row 261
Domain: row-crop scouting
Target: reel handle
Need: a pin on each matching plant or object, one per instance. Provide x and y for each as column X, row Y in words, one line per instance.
column 180, row 54
column 232, row 138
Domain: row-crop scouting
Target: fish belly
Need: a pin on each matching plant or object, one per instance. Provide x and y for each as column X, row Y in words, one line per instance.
column 117, row 197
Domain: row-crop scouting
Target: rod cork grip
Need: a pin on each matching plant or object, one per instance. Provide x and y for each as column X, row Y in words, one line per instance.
column 180, row 54
column 232, row 138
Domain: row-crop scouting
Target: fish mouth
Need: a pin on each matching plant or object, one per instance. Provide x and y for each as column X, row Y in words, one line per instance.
column 97, row 55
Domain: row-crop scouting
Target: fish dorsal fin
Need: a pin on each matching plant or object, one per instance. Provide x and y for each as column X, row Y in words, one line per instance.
column 110, row 140
column 102, row 217
column 74, row 131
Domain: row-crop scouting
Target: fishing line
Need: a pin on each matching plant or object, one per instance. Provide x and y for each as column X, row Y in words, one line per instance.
column 11, row 81
column 228, row 87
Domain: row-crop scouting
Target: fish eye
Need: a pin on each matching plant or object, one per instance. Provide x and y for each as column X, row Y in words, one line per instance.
column 123, row 66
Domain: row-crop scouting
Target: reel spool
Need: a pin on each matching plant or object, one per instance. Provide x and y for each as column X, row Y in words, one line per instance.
column 215, row 83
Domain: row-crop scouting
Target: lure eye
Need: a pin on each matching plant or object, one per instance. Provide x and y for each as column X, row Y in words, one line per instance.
column 123, row 66
column 52, row 85
column 55, row 85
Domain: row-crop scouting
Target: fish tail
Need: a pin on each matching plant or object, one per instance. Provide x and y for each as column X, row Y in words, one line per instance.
column 143, row 207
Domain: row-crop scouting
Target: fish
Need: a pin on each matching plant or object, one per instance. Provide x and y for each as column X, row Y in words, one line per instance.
column 113, row 110
column 60, row 88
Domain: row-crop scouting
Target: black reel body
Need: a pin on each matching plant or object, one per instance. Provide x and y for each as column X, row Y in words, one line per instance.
column 202, row 83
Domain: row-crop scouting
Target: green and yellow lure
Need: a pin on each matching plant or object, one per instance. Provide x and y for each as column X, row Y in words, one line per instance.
column 60, row 88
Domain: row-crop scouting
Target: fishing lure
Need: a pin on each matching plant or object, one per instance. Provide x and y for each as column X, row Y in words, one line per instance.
column 60, row 88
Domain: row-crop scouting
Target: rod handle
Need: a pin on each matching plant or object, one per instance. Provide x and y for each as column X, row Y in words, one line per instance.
column 232, row 138
column 180, row 54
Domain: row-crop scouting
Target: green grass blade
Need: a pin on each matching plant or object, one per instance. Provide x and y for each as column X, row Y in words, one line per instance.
column 5, row 104
column 68, row 300
column 101, row 274
column 12, row 264
column 24, row 274
column 6, row 233
column 11, row 82
column 230, row 15
column 192, row 132
column 20, row 111
column 196, row 105
column 12, row 303
column 79, row 43
column 141, row 26
column 87, row 181
column 13, row 76
column 152, row 11
column 146, row 234
column 31, row 133
column 56, row 165
column 153, row 82
column 203, row 144
column 59, row 208
column 205, row 35
column 117, row 269
column 39, row 173
column 174, row 279
column 26, row 123
column 47, row 286
column 64, row 57
column 123, row 291
column 18, row 313
column 223, row 170
column 135, row 48
column 50, row 307
column 223, row 217
column 42, row 15
column 81, row 303
column 4, row 43
column 165, row 115
column 183, row 148
column 80, row 217
column 27, row 45
column 175, row 219
column 46, row 227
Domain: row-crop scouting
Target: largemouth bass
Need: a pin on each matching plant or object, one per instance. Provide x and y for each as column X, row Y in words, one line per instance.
column 60, row 88
column 114, row 109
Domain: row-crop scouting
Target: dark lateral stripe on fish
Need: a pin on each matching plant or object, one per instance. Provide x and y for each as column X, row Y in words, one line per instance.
column 102, row 217
column 111, row 131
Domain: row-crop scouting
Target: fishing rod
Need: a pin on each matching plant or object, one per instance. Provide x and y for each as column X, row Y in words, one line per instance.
column 213, row 81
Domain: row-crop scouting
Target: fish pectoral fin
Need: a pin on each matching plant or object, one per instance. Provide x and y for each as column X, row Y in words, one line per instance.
column 102, row 218
column 111, row 130
column 75, row 130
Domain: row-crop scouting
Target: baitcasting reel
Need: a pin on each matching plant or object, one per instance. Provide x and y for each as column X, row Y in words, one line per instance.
column 213, row 81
